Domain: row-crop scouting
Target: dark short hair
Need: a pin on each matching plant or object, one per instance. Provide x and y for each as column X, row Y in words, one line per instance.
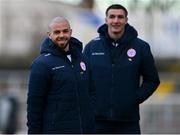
column 117, row 6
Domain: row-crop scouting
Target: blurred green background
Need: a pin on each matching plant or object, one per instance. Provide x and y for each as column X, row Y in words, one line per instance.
column 23, row 26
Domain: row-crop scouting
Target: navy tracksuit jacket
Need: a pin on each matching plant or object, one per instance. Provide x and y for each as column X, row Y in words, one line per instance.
column 116, row 74
column 59, row 98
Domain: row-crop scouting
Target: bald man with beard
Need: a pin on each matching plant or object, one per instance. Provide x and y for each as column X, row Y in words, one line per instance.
column 59, row 94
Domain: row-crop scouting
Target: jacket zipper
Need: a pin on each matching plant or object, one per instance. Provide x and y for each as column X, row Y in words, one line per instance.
column 111, row 94
column 77, row 95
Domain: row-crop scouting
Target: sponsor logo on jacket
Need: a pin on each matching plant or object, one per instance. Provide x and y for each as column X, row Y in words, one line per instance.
column 98, row 53
column 58, row 67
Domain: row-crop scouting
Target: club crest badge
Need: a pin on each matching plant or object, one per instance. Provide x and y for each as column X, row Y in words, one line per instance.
column 131, row 52
column 83, row 66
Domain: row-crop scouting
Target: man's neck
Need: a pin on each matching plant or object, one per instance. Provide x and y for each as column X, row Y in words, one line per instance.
column 116, row 36
column 67, row 48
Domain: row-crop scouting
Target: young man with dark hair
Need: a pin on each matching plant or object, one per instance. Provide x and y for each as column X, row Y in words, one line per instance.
column 118, row 59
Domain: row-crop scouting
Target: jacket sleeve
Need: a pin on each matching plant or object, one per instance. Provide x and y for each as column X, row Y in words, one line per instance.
column 87, row 55
column 37, row 90
column 86, row 52
column 150, row 78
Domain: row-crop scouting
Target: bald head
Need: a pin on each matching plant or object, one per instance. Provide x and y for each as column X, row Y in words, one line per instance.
column 60, row 32
column 58, row 20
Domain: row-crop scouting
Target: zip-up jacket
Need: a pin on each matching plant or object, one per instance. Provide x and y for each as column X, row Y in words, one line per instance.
column 123, row 74
column 59, row 99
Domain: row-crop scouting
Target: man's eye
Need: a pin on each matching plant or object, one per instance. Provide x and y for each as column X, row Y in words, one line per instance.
column 111, row 16
column 56, row 32
column 65, row 31
column 121, row 16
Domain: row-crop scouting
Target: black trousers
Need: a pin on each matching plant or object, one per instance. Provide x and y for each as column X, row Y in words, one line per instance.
column 117, row 127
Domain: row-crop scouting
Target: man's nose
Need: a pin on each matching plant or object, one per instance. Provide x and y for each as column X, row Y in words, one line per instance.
column 61, row 34
column 116, row 19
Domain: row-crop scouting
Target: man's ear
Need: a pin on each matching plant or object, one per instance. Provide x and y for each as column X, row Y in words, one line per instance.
column 105, row 20
column 71, row 31
column 126, row 20
column 49, row 34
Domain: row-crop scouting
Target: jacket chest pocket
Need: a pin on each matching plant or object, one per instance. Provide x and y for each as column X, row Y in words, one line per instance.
column 83, row 75
column 63, row 75
column 128, row 62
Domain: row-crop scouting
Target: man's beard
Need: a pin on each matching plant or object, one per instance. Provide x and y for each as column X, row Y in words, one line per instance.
column 64, row 45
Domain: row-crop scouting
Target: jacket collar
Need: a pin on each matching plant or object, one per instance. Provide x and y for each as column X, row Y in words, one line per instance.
column 129, row 34
column 48, row 46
